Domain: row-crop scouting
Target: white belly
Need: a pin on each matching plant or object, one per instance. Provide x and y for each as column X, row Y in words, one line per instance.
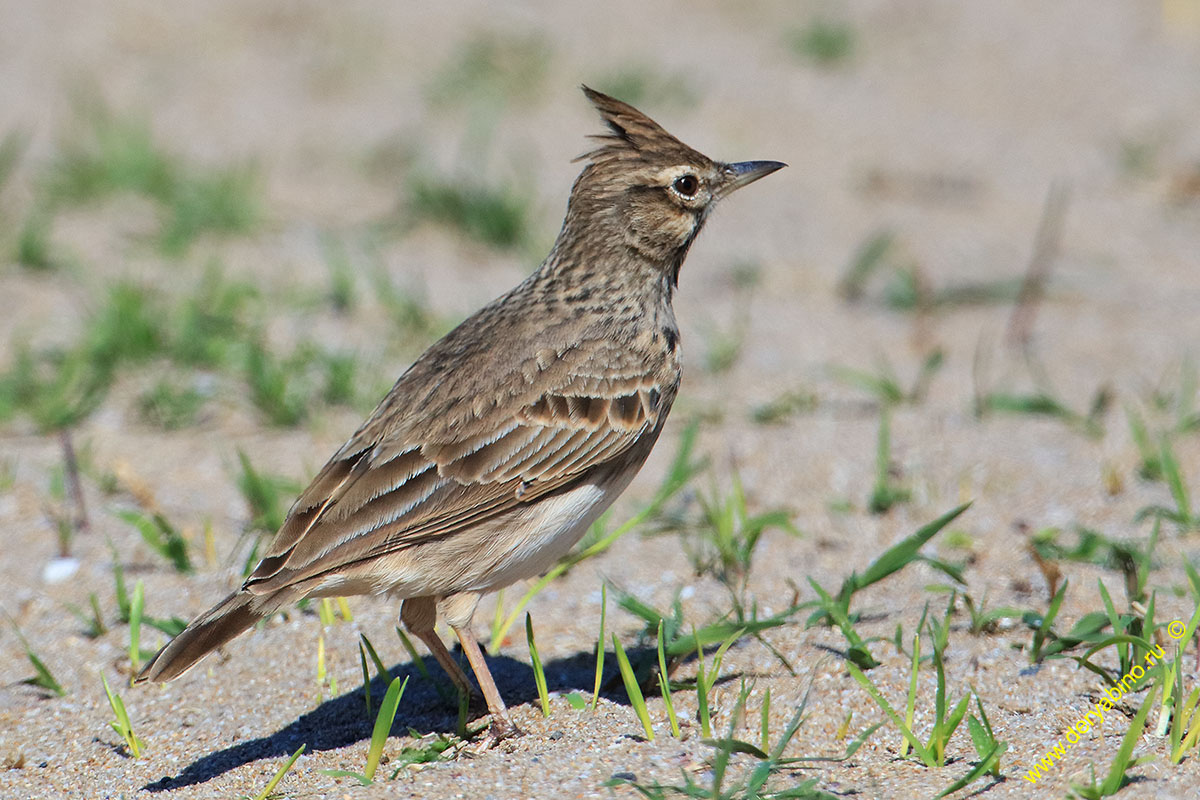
column 543, row 533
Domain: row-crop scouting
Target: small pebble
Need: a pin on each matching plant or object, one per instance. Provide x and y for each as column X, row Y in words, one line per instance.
column 556, row 735
column 58, row 570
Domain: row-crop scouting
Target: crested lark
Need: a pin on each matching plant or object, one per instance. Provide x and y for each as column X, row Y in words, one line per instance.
column 497, row 449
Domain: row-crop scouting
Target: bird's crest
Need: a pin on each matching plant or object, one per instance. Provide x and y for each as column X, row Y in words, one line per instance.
column 633, row 136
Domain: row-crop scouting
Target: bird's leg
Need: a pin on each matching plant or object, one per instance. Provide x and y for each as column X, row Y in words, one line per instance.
column 502, row 725
column 419, row 615
column 458, row 610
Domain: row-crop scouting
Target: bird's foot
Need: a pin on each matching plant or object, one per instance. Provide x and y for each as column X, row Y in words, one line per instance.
column 502, row 728
column 500, row 731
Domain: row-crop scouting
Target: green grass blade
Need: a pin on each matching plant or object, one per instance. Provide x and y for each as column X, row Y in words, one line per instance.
column 720, row 631
column 380, row 669
column 764, row 721
column 383, row 726
column 949, row 726
column 938, row 736
column 539, row 675
column 911, row 705
column 271, row 784
column 162, row 537
column 1114, row 618
column 600, row 645
column 918, row 748
column 1047, row 621
column 413, row 655
column 43, row 677
column 1187, row 719
column 1174, row 478
column 988, row 736
column 362, row 661
column 885, row 493
column 346, row 773
column 1176, row 712
column 664, row 684
column 867, row 259
column 632, row 689
column 136, row 607
column 1193, row 578
column 1116, row 773
column 703, row 682
column 720, row 654
column 1124, row 638
column 121, row 724
column 898, row 556
column 980, row 739
column 985, row 764
column 119, row 589
column 857, row 652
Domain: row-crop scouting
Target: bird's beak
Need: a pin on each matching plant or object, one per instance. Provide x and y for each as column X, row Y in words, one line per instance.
column 746, row 172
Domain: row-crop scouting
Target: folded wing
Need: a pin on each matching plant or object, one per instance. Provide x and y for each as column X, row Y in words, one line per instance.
column 384, row 494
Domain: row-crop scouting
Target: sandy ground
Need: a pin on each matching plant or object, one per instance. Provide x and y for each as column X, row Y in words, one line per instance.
column 947, row 125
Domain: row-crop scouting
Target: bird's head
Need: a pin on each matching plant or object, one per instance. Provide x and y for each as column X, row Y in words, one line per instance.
column 649, row 188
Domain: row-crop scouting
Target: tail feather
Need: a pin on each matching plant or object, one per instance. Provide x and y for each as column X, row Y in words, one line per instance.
column 215, row 627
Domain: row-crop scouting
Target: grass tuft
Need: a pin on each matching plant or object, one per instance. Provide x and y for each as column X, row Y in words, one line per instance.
column 42, row 677
column 722, row 540
column 112, row 154
column 885, row 385
column 1042, row 404
column 266, row 499
column 946, row 719
column 759, row 783
column 491, row 67
column 121, row 724
column 1118, row 777
column 274, row 385
column 1182, row 514
column 171, row 406
column 886, row 492
column 496, row 216
column 783, row 407
column 221, row 202
column 35, row 250
column 824, row 42
column 162, row 537
column 836, row 609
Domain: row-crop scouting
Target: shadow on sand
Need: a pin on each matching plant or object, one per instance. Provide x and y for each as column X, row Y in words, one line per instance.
column 342, row 721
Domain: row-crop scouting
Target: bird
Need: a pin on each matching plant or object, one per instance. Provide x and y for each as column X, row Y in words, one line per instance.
column 499, row 446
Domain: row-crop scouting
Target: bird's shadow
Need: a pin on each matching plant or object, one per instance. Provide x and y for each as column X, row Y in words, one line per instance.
column 342, row 720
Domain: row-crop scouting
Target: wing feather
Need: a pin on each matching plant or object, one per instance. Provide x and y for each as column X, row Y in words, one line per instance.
column 399, row 491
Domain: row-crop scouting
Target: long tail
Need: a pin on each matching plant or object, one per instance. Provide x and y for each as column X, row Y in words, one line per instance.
column 215, row 627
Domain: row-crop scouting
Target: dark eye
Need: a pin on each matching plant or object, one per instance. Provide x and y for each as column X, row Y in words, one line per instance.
column 687, row 185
